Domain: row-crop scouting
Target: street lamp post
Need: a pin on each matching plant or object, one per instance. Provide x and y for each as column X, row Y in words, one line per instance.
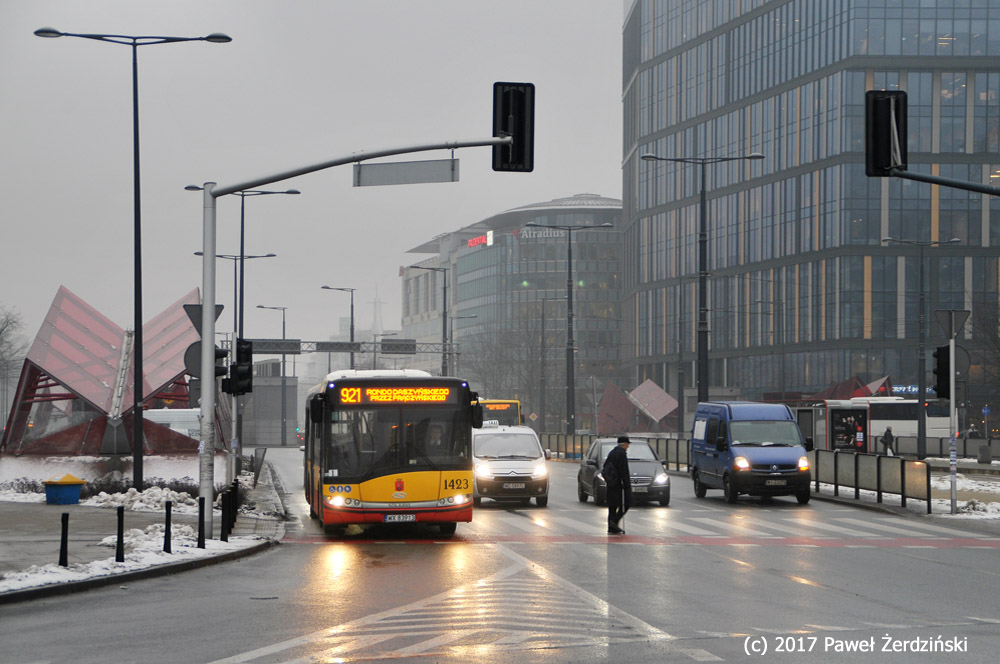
column 444, row 314
column 702, row 341
column 284, row 425
column 921, row 336
column 570, row 363
column 542, row 363
column 238, row 305
column 237, row 406
column 135, row 42
column 351, row 291
column 375, row 345
column 451, row 337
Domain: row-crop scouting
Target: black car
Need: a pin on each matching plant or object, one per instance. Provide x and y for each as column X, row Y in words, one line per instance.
column 648, row 474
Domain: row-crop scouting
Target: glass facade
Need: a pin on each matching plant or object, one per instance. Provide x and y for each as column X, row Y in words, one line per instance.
column 802, row 290
column 508, row 278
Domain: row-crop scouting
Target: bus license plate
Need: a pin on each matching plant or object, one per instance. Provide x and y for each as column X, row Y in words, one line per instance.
column 775, row 482
column 513, row 485
column 400, row 518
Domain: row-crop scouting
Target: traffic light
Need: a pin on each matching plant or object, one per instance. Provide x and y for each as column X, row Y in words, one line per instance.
column 514, row 115
column 220, row 362
column 242, row 369
column 942, row 373
column 885, row 132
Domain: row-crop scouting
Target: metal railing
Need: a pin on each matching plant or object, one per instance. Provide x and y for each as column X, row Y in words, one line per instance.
column 872, row 472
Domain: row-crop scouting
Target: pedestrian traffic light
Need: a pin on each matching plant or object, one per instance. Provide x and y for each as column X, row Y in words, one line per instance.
column 942, row 372
column 885, row 132
column 514, row 116
column 220, row 361
column 242, row 376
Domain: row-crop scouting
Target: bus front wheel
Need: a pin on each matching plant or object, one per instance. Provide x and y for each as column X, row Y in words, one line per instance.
column 448, row 529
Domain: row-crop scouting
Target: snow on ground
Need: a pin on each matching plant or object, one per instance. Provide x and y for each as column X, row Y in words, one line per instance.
column 143, row 549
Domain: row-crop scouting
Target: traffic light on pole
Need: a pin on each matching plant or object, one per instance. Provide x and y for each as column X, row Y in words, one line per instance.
column 942, row 373
column 242, row 377
column 885, row 132
column 514, row 116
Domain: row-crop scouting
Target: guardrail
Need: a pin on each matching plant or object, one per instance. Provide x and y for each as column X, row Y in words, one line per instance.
column 872, row 472
column 941, row 447
column 672, row 450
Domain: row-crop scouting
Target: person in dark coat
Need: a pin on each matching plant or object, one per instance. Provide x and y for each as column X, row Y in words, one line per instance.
column 616, row 477
column 887, row 441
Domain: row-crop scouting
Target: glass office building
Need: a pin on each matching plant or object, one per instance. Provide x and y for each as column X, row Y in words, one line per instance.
column 803, row 290
column 507, row 309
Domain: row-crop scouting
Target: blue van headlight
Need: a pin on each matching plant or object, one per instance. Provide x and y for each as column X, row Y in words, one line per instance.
column 741, row 463
column 803, row 463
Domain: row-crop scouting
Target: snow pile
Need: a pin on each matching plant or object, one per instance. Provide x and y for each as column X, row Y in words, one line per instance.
column 153, row 499
column 143, row 549
column 977, row 508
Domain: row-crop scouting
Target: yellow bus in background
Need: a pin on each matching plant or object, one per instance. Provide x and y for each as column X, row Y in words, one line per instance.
column 505, row 411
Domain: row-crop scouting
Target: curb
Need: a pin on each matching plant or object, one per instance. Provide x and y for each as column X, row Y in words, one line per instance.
column 65, row 588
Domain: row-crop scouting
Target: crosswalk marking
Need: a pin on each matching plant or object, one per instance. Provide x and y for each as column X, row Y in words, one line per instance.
column 831, row 528
column 736, row 527
column 934, row 528
column 883, row 527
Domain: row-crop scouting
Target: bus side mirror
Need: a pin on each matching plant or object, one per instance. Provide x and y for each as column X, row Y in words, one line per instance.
column 477, row 416
column 316, row 408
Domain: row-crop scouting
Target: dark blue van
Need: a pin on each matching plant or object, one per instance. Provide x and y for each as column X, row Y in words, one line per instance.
column 751, row 448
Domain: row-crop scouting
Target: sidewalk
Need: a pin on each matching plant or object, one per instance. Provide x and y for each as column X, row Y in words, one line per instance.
column 30, row 536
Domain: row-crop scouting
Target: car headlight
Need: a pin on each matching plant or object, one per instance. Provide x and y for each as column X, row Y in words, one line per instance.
column 541, row 470
column 803, row 463
column 741, row 463
column 661, row 479
column 483, row 470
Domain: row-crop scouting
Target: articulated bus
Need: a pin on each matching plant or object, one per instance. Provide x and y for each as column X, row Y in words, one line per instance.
column 390, row 447
column 505, row 411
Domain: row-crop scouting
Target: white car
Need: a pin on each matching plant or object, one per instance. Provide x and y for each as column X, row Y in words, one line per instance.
column 509, row 464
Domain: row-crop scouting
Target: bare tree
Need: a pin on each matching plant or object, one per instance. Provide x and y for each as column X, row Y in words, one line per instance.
column 13, row 348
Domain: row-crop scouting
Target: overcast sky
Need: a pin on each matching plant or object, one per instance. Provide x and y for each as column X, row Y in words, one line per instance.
column 302, row 82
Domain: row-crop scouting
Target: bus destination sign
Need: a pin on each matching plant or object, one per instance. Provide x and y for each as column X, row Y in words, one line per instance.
column 379, row 395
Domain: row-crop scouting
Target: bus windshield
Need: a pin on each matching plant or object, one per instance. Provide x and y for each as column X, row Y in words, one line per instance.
column 366, row 442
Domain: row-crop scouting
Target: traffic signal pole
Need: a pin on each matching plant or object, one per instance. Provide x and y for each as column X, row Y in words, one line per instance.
column 952, row 421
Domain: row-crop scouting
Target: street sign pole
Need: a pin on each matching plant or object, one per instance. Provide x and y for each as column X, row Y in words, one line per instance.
column 952, row 423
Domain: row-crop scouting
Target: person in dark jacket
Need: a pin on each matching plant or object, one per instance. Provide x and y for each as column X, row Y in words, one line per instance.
column 616, row 477
column 887, row 441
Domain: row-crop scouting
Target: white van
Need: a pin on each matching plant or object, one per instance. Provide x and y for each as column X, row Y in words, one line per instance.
column 509, row 464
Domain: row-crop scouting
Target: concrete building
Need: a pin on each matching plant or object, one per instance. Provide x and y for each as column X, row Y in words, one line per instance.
column 506, row 281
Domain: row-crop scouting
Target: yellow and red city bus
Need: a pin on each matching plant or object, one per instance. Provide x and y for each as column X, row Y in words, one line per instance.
column 505, row 411
column 390, row 447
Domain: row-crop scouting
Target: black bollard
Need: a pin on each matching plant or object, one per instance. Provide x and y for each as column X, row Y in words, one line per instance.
column 201, row 522
column 224, row 521
column 120, row 548
column 166, row 528
column 64, row 541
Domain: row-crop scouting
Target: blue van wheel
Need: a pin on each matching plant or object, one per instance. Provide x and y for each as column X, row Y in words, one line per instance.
column 729, row 490
column 699, row 488
column 802, row 497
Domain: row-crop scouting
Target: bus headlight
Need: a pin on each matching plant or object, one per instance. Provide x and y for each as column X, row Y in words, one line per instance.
column 335, row 501
column 540, row 471
column 803, row 463
column 741, row 463
column 483, row 470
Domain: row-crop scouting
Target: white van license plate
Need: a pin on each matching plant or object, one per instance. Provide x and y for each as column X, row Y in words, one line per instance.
column 775, row 482
column 513, row 485
column 400, row 518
